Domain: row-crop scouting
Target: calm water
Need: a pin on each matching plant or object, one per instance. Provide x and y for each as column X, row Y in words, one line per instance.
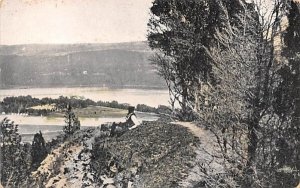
column 149, row 97
column 51, row 127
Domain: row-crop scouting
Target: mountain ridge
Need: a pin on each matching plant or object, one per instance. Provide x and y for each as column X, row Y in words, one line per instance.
column 24, row 49
column 43, row 65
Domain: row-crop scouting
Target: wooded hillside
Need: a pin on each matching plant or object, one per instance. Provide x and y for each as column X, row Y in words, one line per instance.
column 111, row 65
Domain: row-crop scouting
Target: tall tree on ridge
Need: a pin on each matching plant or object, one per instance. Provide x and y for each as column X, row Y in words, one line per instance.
column 39, row 150
column 72, row 122
column 288, row 101
column 182, row 32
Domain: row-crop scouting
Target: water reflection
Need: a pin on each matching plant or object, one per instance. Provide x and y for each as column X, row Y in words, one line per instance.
column 150, row 97
column 52, row 126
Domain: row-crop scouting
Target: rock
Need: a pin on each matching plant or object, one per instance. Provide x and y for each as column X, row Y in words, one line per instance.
column 106, row 180
column 66, row 170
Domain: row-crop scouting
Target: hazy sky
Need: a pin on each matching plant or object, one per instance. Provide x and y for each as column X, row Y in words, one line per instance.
column 73, row 21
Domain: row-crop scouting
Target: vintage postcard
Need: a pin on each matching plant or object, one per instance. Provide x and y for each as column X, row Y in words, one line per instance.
column 149, row 93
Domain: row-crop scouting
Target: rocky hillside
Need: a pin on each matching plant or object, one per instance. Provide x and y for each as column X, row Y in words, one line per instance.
column 156, row 154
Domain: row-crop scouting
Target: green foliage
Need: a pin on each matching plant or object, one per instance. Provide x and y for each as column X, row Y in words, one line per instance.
column 15, row 161
column 161, row 109
column 183, row 32
column 220, row 60
column 39, row 150
column 18, row 104
column 157, row 154
column 288, row 102
column 145, row 108
column 22, row 104
column 173, row 32
column 113, row 104
column 72, row 122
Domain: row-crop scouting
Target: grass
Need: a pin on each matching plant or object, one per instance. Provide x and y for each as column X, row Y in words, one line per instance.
column 94, row 112
column 162, row 154
column 43, row 107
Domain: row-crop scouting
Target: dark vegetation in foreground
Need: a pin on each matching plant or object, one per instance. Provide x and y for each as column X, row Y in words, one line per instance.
column 156, row 154
column 18, row 159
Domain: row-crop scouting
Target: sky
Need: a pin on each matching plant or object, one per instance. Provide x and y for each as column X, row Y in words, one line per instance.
column 73, row 21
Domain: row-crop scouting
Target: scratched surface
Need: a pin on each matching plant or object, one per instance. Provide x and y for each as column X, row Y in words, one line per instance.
column 73, row 21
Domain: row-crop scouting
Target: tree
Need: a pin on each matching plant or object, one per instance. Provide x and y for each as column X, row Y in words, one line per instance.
column 181, row 31
column 243, row 119
column 14, row 156
column 39, row 150
column 240, row 59
column 72, row 122
column 288, row 101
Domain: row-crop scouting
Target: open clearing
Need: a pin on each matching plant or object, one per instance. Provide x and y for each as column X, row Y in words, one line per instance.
column 95, row 112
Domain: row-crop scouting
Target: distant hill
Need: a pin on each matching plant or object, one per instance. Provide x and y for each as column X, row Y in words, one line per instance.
column 47, row 65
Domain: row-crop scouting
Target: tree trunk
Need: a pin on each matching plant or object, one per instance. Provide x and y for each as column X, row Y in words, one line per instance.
column 184, row 100
column 197, row 101
column 296, row 115
column 250, row 171
column 252, row 145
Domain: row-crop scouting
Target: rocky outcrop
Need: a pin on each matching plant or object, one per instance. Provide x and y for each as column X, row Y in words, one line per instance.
column 68, row 165
column 155, row 154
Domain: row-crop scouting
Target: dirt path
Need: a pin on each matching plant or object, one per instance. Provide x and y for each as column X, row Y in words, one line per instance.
column 197, row 131
column 206, row 154
column 207, row 139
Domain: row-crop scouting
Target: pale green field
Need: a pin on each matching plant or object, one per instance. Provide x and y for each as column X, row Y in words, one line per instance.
column 95, row 112
column 44, row 107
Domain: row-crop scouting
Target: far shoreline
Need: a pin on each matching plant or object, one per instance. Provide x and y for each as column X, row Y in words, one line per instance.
column 144, row 87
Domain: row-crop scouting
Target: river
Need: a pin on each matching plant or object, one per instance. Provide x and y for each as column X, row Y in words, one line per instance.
column 150, row 97
column 51, row 127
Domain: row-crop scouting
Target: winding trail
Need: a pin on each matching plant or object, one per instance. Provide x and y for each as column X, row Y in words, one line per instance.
column 207, row 139
column 197, row 131
column 207, row 154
